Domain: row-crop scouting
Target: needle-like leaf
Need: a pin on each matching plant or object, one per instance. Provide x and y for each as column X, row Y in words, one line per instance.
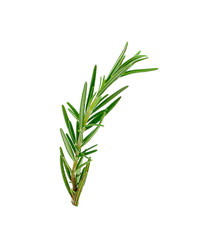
column 82, row 154
column 82, row 165
column 66, row 166
column 92, row 125
column 67, row 171
column 110, row 98
column 139, row 71
column 79, row 161
column 64, row 176
column 132, row 60
column 90, row 152
column 89, row 136
column 92, row 86
column 112, row 105
column 118, row 61
column 71, row 143
column 66, row 163
column 119, row 64
column 77, row 130
column 68, row 124
column 91, row 100
column 90, row 148
column 72, row 133
column 73, row 111
column 119, row 73
column 81, row 184
column 80, row 175
column 97, row 117
column 98, row 114
column 67, row 144
column 102, row 98
column 82, row 106
column 78, row 164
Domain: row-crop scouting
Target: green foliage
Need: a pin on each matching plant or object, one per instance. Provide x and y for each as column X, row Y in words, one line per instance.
column 64, row 177
column 92, row 86
column 67, row 144
column 73, row 111
column 82, row 107
column 110, row 98
column 89, row 117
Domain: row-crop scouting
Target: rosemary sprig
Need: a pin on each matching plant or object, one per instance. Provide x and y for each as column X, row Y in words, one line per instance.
column 89, row 117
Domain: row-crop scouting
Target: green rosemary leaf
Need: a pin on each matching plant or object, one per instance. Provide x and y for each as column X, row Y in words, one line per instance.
column 98, row 114
column 118, row 61
column 89, row 136
column 61, row 152
column 109, row 98
column 66, row 118
column 95, row 120
column 119, row 73
column 93, row 105
column 79, row 161
column 100, row 84
column 67, row 171
column 90, row 148
column 92, row 125
column 90, row 152
column 82, row 165
column 64, row 160
column 91, row 100
column 73, row 111
column 138, row 53
column 82, row 106
column 71, row 143
column 119, row 64
column 77, row 131
column 80, row 175
column 71, row 132
column 112, row 105
column 64, row 177
column 67, row 144
column 132, row 60
column 81, row 183
column 78, row 164
column 124, row 67
column 82, row 154
column 96, row 102
column 102, row 98
column 92, row 86
column 66, row 165
column 139, row 71
column 68, row 124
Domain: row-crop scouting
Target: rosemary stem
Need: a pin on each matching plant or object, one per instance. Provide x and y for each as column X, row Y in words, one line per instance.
column 79, row 145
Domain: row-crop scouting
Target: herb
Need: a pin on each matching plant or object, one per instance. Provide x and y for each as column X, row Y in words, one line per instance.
column 94, row 107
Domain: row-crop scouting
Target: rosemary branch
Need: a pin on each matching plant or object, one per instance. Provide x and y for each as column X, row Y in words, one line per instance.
column 91, row 114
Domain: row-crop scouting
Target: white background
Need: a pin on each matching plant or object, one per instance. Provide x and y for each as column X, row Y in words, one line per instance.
column 149, row 178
